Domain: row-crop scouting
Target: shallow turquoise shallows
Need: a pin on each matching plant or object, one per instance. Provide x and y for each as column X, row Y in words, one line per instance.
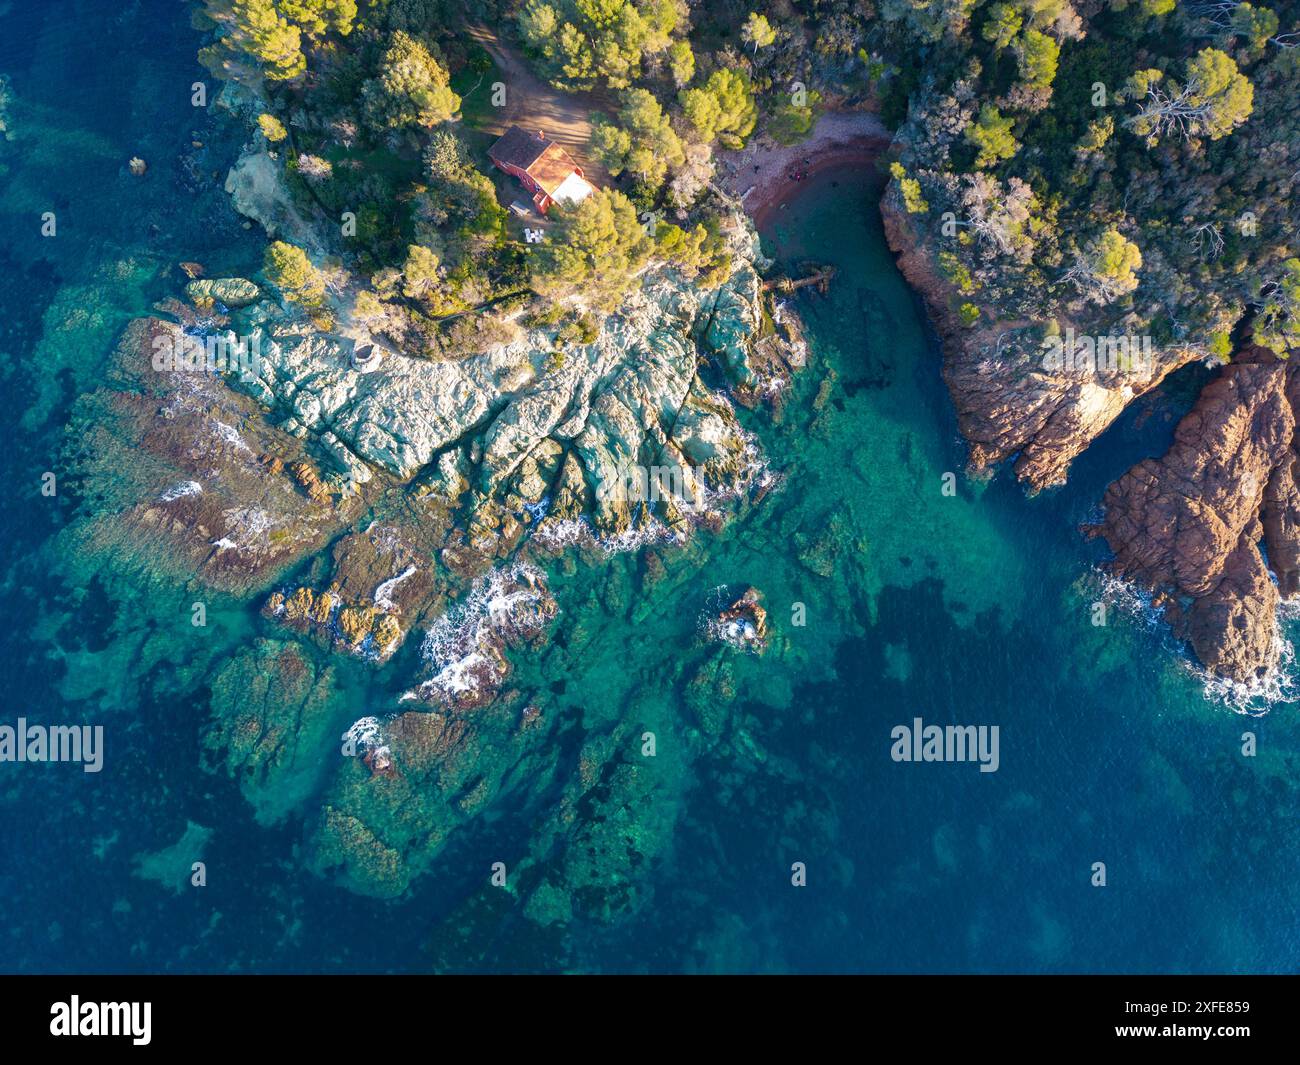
column 899, row 592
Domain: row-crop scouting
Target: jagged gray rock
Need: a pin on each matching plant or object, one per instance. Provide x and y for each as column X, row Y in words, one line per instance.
column 515, row 423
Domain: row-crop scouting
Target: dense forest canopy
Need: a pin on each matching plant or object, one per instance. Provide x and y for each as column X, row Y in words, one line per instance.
column 1129, row 165
column 1123, row 164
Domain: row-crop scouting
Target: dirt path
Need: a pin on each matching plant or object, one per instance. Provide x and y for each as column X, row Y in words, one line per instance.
column 534, row 105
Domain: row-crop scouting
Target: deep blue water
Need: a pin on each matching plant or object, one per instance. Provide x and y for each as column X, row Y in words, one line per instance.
column 966, row 610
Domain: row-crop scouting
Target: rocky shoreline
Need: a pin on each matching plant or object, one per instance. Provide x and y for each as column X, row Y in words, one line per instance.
column 414, row 504
column 1190, row 524
column 1007, row 405
column 1187, row 526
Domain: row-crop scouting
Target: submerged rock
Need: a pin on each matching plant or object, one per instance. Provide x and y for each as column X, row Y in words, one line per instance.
column 174, row 460
column 173, row 867
column 711, row 692
column 231, row 291
column 415, row 778
column 272, row 708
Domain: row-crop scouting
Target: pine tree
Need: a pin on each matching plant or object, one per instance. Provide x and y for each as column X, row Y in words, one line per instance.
column 412, row 89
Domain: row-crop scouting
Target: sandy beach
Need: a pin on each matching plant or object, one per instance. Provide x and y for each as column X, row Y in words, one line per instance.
column 759, row 175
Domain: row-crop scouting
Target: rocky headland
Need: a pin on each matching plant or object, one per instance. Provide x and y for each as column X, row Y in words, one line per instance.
column 238, row 445
column 525, row 433
column 1008, row 406
column 1188, row 526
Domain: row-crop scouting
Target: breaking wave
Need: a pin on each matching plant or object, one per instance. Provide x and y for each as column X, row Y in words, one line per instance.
column 180, row 491
column 1134, row 602
column 365, row 733
column 461, row 646
column 579, row 532
column 381, row 593
column 1254, row 697
column 1257, row 696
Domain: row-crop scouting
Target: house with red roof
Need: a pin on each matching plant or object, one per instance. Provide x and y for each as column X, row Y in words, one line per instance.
column 542, row 166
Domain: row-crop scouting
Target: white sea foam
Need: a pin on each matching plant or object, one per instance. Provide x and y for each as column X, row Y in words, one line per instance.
column 384, row 537
column 459, row 645
column 365, row 738
column 252, row 520
column 738, row 632
column 580, row 532
column 715, row 602
column 753, row 471
column 180, row 491
column 1257, row 696
column 1133, row 601
column 1254, row 697
column 365, row 733
column 381, row 593
column 230, row 435
column 458, row 677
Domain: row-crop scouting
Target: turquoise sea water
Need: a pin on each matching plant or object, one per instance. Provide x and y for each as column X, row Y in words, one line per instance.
column 974, row 609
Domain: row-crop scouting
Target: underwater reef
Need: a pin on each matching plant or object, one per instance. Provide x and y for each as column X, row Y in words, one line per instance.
column 410, row 512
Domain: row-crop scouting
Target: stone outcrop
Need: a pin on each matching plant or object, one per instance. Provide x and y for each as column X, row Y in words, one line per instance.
column 743, row 624
column 623, row 439
column 1007, row 404
column 182, row 483
column 230, row 291
column 1189, row 524
column 517, row 437
column 380, row 584
column 257, row 191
